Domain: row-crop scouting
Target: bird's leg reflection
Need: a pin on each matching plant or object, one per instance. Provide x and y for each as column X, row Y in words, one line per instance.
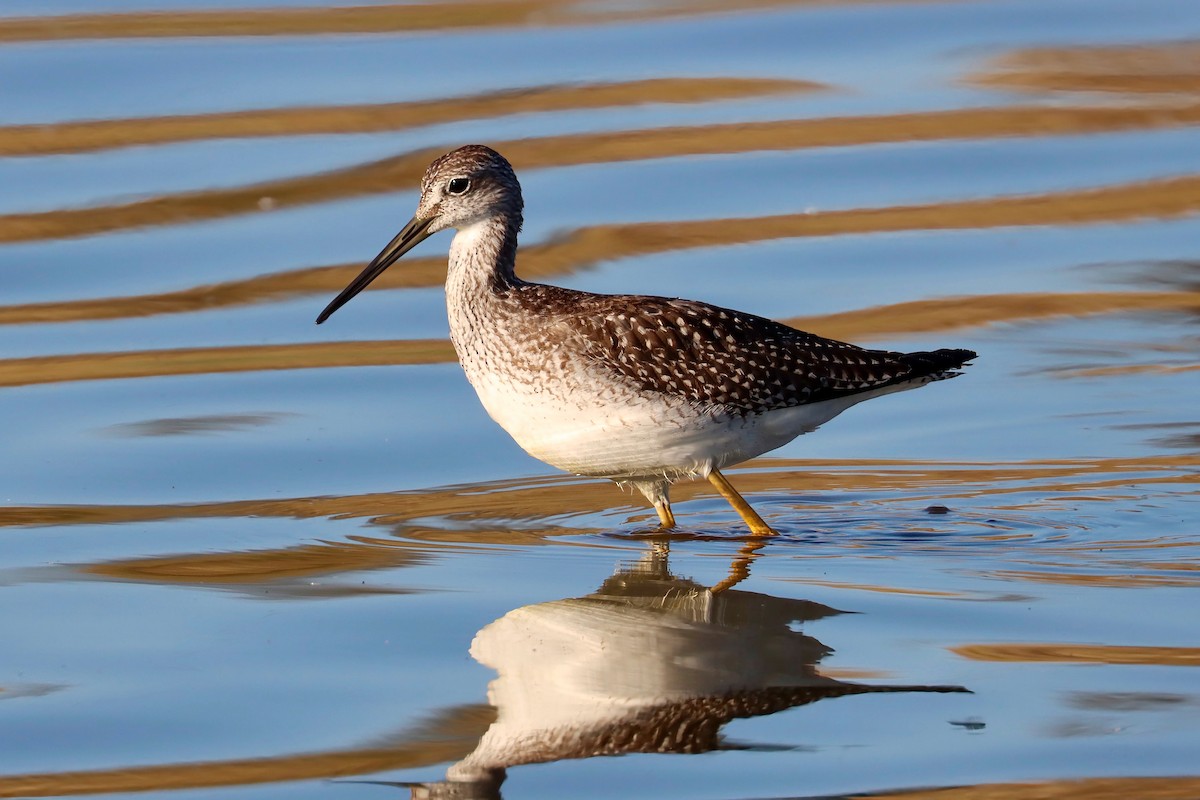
column 648, row 663
column 739, row 568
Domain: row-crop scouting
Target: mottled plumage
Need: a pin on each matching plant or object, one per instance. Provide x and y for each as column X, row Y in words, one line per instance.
column 740, row 362
column 638, row 389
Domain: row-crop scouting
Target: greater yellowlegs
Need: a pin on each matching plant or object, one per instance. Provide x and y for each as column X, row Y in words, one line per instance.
column 641, row 390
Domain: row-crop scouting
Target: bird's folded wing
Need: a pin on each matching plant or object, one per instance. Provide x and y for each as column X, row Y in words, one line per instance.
column 716, row 356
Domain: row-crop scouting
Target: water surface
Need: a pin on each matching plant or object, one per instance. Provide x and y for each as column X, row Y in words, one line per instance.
column 244, row 556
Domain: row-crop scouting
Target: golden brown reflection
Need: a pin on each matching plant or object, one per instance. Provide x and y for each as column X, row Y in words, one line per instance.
column 1181, row 788
column 604, row 243
column 450, row 736
column 100, row 134
column 1152, row 199
column 1148, row 575
column 383, row 18
column 563, row 496
column 266, row 569
column 865, row 587
column 484, row 514
column 1126, row 369
column 1082, row 654
column 206, row 360
column 928, row 316
column 920, row 316
column 1136, row 69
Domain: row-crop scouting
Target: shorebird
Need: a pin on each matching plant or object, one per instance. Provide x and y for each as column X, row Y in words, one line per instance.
column 638, row 389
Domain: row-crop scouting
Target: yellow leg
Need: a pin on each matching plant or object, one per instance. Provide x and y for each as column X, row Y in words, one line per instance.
column 748, row 514
column 665, row 517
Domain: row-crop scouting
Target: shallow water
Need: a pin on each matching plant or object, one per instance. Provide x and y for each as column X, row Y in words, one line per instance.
column 244, row 556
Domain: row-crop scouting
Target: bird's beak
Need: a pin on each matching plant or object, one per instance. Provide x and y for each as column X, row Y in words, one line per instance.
column 411, row 235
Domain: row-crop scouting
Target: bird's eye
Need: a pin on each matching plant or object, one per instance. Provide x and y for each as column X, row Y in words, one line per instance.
column 458, row 185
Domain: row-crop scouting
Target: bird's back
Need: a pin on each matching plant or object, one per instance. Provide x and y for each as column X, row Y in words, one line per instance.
column 713, row 356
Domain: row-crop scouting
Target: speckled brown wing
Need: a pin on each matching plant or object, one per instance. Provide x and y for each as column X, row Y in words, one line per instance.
column 716, row 356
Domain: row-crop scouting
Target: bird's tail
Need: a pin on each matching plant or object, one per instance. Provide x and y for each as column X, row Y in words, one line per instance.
column 937, row 364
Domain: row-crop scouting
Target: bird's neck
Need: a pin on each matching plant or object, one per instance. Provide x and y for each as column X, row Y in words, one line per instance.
column 479, row 283
column 482, row 259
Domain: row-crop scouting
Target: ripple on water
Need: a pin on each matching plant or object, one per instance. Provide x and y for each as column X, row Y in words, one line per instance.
column 1077, row 523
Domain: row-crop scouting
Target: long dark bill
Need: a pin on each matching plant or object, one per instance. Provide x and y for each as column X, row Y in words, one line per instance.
column 409, row 237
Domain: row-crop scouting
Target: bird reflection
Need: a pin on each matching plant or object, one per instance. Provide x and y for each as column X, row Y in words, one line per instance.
column 649, row 663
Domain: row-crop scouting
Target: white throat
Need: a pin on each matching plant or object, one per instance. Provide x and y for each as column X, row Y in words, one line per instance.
column 475, row 249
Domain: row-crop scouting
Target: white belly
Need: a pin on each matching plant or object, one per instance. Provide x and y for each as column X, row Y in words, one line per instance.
column 624, row 435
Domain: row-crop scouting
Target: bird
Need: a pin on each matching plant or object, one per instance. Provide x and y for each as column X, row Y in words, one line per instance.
column 642, row 390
